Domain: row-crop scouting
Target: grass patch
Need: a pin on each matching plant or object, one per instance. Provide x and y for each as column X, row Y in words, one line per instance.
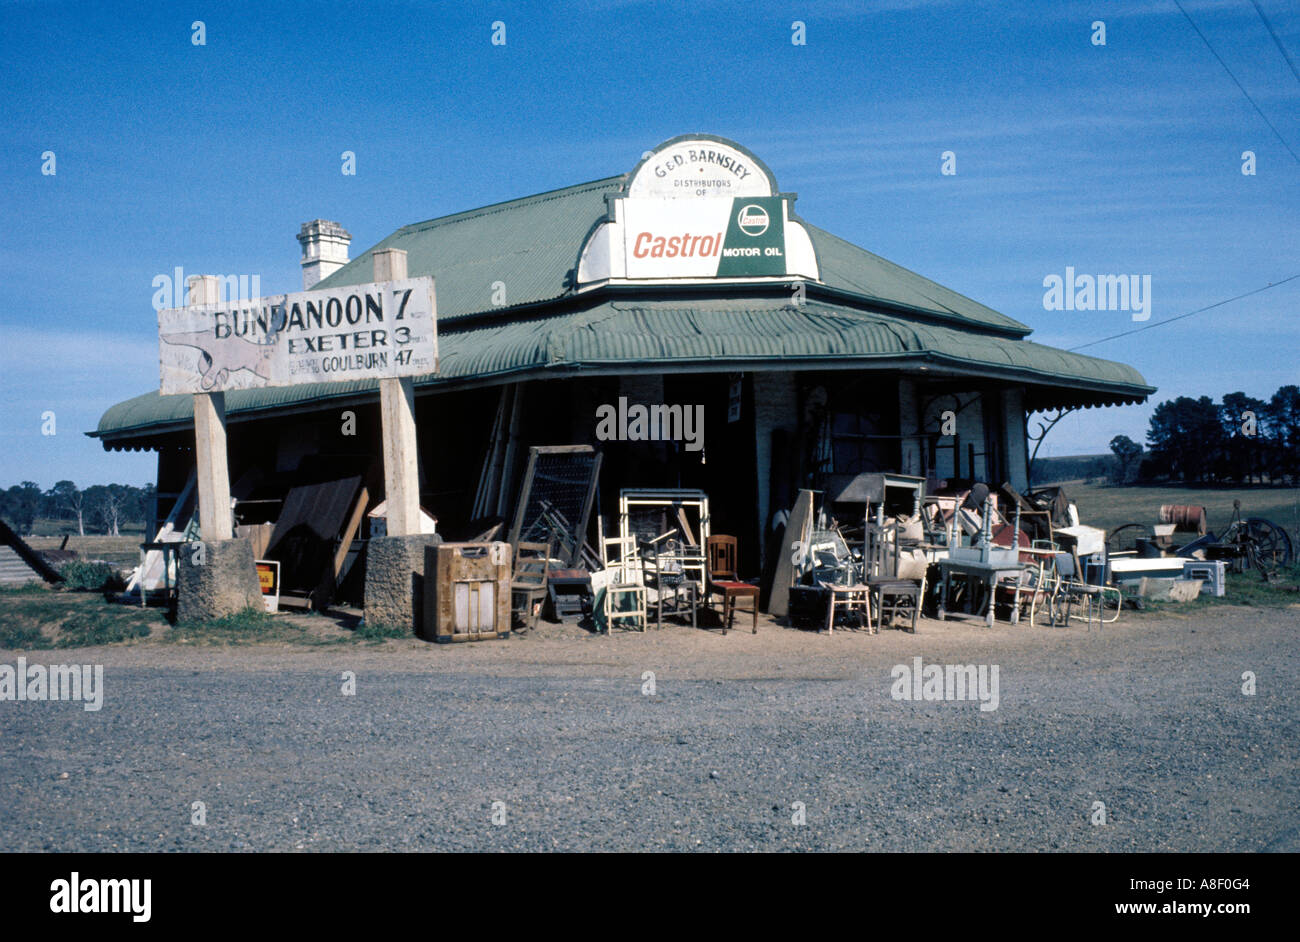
column 45, row 619
column 84, row 629
column 1247, row 588
column 377, row 634
column 252, row 626
column 24, row 588
column 16, row 635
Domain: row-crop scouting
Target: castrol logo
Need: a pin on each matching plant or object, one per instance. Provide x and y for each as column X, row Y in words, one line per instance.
column 752, row 220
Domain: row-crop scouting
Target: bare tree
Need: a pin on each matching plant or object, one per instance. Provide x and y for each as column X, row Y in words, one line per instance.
column 108, row 503
column 67, row 497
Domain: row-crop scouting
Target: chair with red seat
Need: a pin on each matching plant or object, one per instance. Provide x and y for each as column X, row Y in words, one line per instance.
column 724, row 582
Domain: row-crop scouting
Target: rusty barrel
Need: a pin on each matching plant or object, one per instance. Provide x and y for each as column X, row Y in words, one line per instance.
column 1185, row 517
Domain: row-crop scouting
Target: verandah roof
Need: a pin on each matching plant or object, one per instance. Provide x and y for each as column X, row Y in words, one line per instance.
column 616, row 332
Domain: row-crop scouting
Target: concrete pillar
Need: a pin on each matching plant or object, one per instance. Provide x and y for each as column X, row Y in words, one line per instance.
column 215, row 579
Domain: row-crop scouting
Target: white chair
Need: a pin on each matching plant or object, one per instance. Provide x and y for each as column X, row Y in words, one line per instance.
column 626, row 582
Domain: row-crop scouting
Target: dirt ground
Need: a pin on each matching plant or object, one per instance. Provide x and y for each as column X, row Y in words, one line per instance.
column 1135, row 737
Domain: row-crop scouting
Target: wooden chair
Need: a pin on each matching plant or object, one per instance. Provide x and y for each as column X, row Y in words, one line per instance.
column 528, row 580
column 891, row 597
column 627, row 581
column 723, row 581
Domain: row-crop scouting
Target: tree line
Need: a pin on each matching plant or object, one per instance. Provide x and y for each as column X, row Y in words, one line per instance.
column 1240, row 440
column 100, row 508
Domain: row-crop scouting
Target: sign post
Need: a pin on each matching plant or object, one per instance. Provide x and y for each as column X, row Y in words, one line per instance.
column 213, row 470
column 397, row 413
column 385, row 331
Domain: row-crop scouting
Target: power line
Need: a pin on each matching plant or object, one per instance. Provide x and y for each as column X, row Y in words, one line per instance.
column 1280, row 48
column 1238, row 84
column 1178, row 317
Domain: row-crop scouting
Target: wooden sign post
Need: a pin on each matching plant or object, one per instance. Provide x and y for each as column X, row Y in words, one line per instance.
column 386, row 331
column 213, row 470
column 397, row 414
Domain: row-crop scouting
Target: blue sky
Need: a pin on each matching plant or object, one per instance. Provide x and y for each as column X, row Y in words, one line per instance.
column 1122, row 159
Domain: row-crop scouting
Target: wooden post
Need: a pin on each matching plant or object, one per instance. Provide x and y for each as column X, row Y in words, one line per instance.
column 397, row 413
column 210, row 440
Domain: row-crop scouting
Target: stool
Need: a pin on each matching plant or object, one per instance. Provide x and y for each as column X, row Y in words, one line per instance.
column 897, row 597
column 849, row 598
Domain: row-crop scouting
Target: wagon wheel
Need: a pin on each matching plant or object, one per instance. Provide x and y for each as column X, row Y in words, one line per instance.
column 1123, row 539
column 1269, row 545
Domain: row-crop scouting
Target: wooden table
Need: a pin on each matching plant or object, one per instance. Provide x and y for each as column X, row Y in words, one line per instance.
column 990, row 574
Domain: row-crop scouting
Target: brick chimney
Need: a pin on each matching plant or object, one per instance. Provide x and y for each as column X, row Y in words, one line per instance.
column 324, row 250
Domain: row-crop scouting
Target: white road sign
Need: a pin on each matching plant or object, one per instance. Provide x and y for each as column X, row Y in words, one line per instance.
column 368, row 331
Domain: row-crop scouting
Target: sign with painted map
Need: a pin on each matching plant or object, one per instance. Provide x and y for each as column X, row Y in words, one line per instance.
column 368, row 331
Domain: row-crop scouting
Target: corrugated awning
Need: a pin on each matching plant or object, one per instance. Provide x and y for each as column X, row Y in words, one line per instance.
column 622, row 334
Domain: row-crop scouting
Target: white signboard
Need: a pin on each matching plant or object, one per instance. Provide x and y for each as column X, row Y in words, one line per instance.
column 368, row 331
column 695, row 167
column 697, row 209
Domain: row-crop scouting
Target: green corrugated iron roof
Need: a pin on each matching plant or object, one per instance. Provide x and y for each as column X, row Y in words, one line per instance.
column 614, row 335
column 531, row 246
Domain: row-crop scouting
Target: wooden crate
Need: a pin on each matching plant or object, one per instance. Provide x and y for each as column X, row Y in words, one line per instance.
column 466, row 592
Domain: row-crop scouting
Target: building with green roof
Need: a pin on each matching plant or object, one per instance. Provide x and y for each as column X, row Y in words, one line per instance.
column 689, row 281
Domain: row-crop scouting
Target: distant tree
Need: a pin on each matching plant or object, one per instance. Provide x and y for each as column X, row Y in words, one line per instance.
column 1245, row 447
column 1284, row 433
column 1127, row 453
column 109, row 504
column 22, row 503
column 66, row 501
column 1186, row 437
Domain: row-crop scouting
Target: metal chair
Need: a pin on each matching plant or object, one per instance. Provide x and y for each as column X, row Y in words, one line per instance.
column 1067, row 591
column 724, row 582
column 675, row 592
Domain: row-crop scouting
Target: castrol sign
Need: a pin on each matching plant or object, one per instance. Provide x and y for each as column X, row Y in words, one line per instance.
column 697, row 209
column 707, row 238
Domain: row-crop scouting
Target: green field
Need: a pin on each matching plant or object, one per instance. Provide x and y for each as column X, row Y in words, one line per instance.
column 1109, row 507
column 122, row 551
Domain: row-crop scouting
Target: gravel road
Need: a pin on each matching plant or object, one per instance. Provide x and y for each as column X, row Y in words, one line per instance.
column 1147, row 717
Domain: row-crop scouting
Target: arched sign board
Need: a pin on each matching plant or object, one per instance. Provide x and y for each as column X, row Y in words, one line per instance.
column 699, row 209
